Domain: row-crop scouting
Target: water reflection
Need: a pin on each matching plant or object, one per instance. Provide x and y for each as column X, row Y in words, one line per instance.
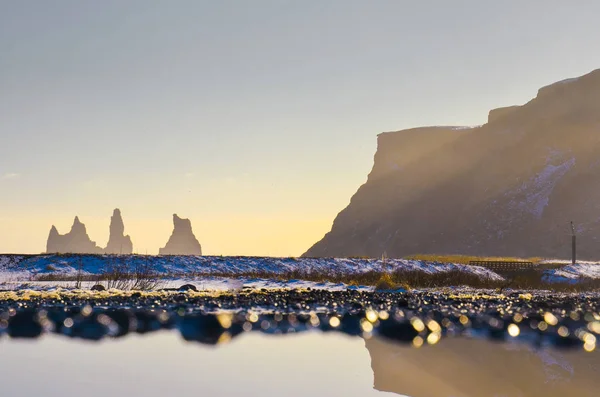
column 162, row 364
column 479, row 368
column 309, row 364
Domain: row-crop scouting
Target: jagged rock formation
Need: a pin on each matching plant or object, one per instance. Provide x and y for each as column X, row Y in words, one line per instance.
column 118, row 243
column 508, row 187
column 182, row 241
column 76, row 241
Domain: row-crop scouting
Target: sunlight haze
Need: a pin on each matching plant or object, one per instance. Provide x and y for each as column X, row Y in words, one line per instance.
column 256, row 120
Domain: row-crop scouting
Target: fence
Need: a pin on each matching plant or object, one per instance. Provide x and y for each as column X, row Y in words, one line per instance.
column 503, row 266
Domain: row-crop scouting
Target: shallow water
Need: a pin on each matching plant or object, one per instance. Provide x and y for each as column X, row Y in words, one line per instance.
column 309, row 364
column 163, row 364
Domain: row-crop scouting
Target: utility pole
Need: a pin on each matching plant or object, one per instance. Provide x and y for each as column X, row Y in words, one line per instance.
column 573, row 244
column 384, row 265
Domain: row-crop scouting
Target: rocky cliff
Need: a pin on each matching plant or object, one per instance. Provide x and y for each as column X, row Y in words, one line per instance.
column 508, row 187
column 118, row 242
column 182, row 241
column 76, row 241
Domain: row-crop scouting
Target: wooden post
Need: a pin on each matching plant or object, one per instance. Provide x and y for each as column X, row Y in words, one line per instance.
column 573, row 244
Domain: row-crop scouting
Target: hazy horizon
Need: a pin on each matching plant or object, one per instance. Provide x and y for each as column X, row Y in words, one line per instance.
column 256, row 121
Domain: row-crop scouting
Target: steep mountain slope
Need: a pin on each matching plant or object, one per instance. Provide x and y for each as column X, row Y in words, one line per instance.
column 508, row 187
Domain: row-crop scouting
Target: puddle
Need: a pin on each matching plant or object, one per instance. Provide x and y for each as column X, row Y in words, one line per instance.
column 163, row 364
column 308, row 364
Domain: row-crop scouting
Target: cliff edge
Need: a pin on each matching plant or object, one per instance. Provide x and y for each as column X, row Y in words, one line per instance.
column 509, row 187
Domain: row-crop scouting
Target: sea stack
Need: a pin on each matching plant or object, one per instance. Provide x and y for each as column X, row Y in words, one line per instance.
column 118, row 242
column 76, row 241
column 182, row 241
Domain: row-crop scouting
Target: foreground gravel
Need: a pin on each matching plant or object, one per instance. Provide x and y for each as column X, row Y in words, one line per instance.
column 417, row 318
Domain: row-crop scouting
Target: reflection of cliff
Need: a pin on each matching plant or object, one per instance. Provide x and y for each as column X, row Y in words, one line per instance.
column 477, row 368
column 182, row 241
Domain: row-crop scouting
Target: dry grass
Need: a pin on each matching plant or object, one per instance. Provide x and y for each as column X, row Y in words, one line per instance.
column 387, row 283
column 531, row 279
column 117, row 274
column 465, row 259
column 143, row 278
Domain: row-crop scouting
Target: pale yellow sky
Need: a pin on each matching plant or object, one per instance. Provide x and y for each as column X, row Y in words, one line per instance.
column 228, row 217
column 252, row 236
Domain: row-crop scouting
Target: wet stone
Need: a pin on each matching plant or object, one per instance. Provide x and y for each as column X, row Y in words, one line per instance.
column 24, row 324
column 146, row 322
column 123, row 319
column 87, row 328
column 558, row 320
column 201, row 328
column 399, row 331
column 187, row 287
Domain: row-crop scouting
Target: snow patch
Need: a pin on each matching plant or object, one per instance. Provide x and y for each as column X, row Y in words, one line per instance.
column 567, row 81
column 538, row 190
column 572, row 273
column 465, row 127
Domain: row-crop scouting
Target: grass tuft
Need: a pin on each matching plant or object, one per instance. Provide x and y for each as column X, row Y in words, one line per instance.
column 465, row 259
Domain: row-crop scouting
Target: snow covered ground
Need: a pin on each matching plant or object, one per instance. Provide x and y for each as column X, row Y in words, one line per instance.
column 19, row 270
column 25, row 267
column 201, row 283
column 227, row 273
column 569, row 272
column 573, row 273
column 566, row 262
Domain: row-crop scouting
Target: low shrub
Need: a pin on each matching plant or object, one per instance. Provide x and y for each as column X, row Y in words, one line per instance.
column 385, row 283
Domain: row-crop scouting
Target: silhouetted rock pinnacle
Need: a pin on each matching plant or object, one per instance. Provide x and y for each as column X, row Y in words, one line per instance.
column 76, row 241
column 182, row 241
column 118, row 243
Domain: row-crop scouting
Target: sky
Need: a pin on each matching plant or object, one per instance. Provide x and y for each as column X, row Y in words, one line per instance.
column 256, row 120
